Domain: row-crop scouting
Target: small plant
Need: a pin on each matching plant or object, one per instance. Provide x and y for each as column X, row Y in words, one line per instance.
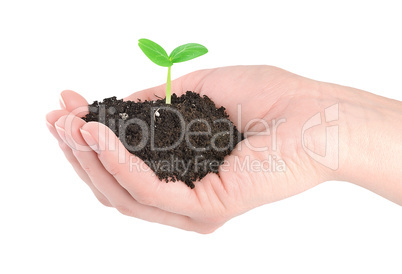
column 180, row 54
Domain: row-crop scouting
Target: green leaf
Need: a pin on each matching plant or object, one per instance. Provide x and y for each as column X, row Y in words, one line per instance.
column 155, row 52
column 187, row 52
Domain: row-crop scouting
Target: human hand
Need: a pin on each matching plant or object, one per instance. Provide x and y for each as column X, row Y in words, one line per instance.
column 275, row 105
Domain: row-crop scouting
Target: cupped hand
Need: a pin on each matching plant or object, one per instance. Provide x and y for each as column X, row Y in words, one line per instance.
column 269, row 105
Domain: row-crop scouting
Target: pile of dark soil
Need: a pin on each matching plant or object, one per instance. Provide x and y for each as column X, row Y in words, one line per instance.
column 182, row 141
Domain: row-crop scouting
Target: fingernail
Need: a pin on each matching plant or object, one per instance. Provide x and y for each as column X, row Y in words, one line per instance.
column 49, row 125
column 62, row 104
column 89, row 139
column 61, row 132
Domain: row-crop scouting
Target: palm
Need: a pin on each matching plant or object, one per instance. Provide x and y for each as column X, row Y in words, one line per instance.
column 254, row 97
column 264, row 94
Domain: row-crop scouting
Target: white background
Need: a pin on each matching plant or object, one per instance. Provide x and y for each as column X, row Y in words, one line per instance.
column 50, row 221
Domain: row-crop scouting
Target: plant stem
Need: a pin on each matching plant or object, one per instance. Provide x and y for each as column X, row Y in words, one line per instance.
column 168, row 87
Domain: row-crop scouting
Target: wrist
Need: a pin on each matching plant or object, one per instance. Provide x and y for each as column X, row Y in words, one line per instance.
column 370, row 142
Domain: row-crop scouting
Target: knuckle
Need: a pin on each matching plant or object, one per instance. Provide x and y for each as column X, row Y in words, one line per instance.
column 146, row 195
column 64, row 146
column 87, row 169
column 214, row 218
column 124, row 210
column 112, row 168
column 78, row 153
column 104, row 201
column 206, row 230
column 144, row 198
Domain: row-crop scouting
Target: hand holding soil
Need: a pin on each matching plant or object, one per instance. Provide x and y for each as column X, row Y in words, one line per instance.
column 288, row 147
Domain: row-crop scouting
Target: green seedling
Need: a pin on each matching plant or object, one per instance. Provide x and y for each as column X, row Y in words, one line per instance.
column 180, row 54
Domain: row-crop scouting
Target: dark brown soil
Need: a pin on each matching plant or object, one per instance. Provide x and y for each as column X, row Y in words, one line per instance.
column 183, row 141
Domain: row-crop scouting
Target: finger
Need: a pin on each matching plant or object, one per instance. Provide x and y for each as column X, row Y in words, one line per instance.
column 68, row 127
column 74, row 103
column 106, row 189
column 66, row 138
column 133, row 175
column 51, row 119
column 121, row 199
